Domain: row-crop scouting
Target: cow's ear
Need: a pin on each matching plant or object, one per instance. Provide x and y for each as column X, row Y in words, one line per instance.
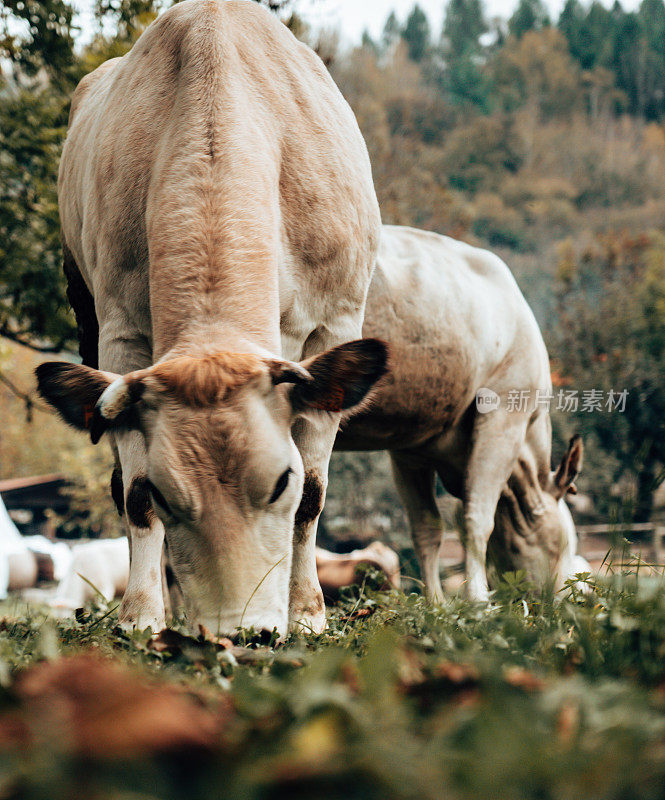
column 569, row 468
column 72, row 389
column 90, row 399
column 340, row 378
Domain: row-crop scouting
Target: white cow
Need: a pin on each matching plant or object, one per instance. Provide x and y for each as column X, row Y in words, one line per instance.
column 98, row 570
column 219, row 224
column 460, row 329
column 19, row 554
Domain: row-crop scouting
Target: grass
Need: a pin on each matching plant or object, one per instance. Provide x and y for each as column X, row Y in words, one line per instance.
column 549, row 697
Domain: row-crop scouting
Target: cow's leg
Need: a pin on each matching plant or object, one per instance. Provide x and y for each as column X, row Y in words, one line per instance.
column 314, row 439
column 496, row 441
column 415, row 483
column 143, row 602
column 314, row 436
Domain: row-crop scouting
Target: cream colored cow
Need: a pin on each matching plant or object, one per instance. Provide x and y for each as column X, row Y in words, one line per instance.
column 220, row 225
column 459, row 328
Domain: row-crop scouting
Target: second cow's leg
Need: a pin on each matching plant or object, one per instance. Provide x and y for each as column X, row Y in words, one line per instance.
column 416, row 487
column 497, row 438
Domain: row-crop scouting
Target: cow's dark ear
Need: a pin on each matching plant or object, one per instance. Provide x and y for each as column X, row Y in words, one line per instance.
column 341, row 377
column 72, row 389
column 569, row 468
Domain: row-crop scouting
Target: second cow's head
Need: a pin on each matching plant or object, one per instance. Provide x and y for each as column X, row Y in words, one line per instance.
column 223, row 472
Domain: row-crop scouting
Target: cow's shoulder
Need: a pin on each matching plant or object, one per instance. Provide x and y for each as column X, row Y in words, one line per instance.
column 88, row 82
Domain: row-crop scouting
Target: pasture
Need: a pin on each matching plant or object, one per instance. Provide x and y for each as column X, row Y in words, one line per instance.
column 540, row 698
column 266, row 240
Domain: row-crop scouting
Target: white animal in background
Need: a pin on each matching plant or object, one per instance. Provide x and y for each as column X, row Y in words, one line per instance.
column 98, row 570
column 460, row 329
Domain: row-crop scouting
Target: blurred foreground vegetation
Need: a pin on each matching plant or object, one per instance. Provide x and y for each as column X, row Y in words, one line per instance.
column 523, row 699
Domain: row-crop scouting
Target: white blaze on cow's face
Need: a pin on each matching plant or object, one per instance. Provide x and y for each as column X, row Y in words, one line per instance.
column 223, row 472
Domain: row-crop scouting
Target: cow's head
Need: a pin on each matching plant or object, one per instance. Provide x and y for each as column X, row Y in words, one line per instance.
column 534, row 530
column 222, row 471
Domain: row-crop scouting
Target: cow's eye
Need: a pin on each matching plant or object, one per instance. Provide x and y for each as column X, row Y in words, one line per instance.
column 159, row 498
column 280, row 486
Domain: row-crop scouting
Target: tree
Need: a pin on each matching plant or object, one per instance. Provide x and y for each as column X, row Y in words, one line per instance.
column 461, row 76
column 530, row 15
column 538, row 72
column 462, row 28
column 610, row 337
column 391, row 32
column 416, row 34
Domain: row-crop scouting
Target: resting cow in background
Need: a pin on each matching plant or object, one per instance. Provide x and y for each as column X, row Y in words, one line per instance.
column 219, row 224
column 458, row 323
column 101, row 567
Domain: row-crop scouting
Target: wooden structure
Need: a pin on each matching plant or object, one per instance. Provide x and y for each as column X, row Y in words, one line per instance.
column 36, row 495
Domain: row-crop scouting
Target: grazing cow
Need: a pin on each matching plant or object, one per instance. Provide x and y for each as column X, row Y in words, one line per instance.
column 220, row 224
column 458, row 324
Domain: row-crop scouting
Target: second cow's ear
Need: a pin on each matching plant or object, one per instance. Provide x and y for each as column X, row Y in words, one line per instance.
column 569, row 468
column 341, row 377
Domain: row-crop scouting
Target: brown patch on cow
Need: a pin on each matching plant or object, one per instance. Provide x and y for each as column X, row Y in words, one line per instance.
column 311, row 503
column 317, row 605
column 203, row 381
column 117, row 491
column 139, row 504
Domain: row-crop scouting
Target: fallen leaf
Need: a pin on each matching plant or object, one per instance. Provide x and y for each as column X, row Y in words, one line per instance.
column 94, row 707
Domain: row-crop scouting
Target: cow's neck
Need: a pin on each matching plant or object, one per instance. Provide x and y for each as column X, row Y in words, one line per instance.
column 240, row 315
column 522, row 499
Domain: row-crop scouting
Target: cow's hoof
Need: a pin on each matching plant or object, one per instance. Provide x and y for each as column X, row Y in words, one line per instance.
column 310, row 617
column 308, row 623
column 131, row 618
column 435, row 595
column 478, row 593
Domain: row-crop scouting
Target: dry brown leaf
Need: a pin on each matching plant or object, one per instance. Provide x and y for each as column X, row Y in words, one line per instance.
column 94, row 707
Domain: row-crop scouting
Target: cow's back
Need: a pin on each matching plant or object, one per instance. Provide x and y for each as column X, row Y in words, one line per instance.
column 456, row 321
column 217, row 152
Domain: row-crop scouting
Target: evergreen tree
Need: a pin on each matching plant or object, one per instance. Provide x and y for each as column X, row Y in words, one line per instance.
column 530, row 15
column 368, row 43
column 391, row 31
column 652, row 17
column 416, row 34
column 462, row 77
column 463, row 26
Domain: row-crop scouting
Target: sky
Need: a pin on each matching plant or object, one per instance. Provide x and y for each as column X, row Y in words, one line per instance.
column 352, row 17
